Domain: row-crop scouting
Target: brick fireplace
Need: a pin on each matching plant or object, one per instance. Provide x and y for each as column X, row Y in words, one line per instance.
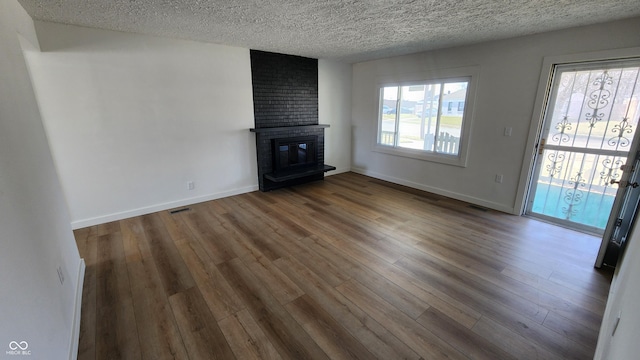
column 289, row 139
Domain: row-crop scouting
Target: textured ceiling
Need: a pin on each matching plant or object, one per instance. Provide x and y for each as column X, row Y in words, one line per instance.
column 347, row 30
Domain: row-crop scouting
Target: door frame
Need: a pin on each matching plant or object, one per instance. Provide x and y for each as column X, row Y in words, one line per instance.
column 620, row 204
column 540, row 104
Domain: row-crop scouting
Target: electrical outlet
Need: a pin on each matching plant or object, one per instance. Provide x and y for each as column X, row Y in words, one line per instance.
column 191, row 185
column 499, row 178
column 60, row 275
column 507, row 131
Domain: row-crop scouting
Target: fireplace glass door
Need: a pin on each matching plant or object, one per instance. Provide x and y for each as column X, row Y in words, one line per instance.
column 292, row 153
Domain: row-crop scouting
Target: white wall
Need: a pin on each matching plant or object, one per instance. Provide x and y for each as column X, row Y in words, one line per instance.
column 35, row 232
column 132, row 118
column 509, row 71
column 334, row 108
column 624, row 300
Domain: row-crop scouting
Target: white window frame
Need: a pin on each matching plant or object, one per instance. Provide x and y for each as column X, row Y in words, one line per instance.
column 469, row 74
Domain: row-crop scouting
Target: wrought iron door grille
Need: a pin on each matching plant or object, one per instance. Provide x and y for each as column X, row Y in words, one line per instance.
column 590, row 122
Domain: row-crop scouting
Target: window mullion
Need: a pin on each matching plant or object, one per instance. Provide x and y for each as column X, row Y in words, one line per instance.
column 397, row 122
column 437, row 131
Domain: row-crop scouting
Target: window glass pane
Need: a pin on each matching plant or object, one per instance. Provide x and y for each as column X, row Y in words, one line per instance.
column 418, row 116
column 454, row 96
column 427, row 111
column 389, row 97
column 410, row 133
column 595, row 108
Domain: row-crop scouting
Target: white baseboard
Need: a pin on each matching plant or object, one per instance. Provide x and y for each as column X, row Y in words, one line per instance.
column 78, row 224
column 435, row 190
column 77, row 306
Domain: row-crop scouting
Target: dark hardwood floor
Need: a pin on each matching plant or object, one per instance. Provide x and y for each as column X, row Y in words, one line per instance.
column 347, row 268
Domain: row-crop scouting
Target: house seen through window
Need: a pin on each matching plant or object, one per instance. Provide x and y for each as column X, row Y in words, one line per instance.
column 426, row 117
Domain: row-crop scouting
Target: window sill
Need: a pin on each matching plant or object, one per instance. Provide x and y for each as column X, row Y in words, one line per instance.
column 455, row 160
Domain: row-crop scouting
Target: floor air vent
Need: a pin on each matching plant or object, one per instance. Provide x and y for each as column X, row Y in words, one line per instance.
column 479, row 208
column 179, row 210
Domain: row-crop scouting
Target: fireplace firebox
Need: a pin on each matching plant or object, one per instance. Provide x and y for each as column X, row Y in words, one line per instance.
column 294, row 153
column 290, row 155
